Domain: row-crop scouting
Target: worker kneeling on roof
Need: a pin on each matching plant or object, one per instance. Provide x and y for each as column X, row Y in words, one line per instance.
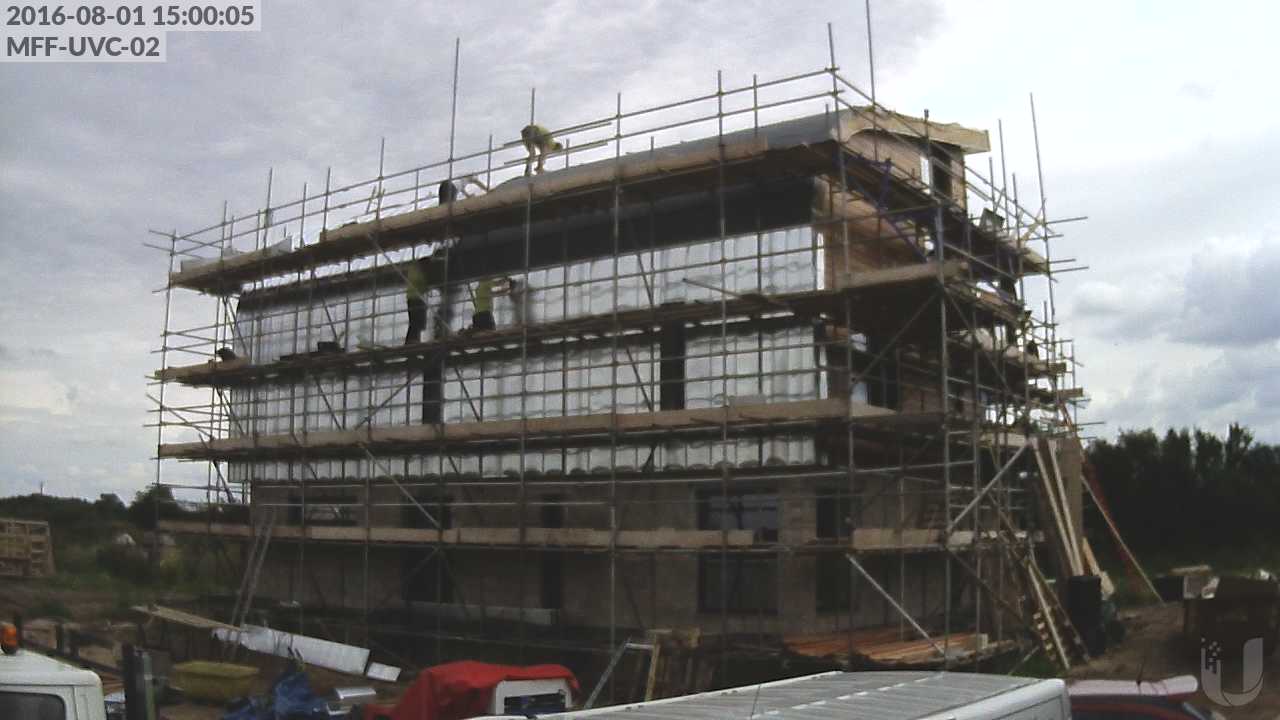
column 540, row 143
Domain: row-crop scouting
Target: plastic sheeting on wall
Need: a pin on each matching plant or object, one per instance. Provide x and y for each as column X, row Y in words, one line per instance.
column 746, row 452
column 785, row 260
column 747, row 365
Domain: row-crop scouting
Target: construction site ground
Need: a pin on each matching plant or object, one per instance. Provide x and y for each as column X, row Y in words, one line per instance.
column 1153, row 648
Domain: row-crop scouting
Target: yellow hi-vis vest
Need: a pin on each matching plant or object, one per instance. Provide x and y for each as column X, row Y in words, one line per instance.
column 417, row 286
column 484, row 296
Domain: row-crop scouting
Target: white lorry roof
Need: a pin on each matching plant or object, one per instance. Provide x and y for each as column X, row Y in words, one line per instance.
column 880, row 695
column 31, row 669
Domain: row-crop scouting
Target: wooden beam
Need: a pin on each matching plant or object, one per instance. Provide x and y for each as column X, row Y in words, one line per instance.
column 1064, row 504
column 1062, row 543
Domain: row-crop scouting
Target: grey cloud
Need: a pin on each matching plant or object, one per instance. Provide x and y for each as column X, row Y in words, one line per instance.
column 1143, row 214
column 1231, row 386
column 1221, row 297
column 13, row 355
column 1122, row 311
column 1231, row 298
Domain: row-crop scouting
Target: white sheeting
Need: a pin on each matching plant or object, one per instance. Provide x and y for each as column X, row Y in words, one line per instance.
column 313, row 651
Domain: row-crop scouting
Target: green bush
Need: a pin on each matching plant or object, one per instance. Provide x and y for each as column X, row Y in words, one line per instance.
column 73, row 522
column 126, row 563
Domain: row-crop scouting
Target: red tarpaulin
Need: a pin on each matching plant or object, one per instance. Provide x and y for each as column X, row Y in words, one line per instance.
column 459, row 690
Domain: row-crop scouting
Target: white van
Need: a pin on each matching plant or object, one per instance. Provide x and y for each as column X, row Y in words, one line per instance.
column 847, row 695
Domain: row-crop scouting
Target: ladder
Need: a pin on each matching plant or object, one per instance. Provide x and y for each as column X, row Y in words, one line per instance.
column 1058, row 638
column 253, row 566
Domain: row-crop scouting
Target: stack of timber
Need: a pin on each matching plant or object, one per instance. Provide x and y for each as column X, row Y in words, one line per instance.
column 1063, row 480
column 26, row 548
column 887, row 648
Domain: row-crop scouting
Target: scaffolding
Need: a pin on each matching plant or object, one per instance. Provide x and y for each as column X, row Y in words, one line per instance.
column 769, row 337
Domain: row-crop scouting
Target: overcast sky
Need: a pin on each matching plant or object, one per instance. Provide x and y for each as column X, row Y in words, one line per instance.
column 1160, row 121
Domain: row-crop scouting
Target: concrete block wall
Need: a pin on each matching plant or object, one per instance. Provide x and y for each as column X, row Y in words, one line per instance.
column 657, row 589
column 327, row 575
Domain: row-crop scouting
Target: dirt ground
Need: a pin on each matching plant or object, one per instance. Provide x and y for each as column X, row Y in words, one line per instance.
column 1153, row 647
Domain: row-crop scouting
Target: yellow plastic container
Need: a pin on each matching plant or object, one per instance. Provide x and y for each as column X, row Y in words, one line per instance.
column 213, row 681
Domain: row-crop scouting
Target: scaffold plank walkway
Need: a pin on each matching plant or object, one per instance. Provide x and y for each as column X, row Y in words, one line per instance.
column 550, row 427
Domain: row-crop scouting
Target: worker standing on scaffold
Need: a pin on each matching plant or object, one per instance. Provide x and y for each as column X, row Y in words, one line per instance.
column 421, row 277
column 485, row 290
column 415, row 298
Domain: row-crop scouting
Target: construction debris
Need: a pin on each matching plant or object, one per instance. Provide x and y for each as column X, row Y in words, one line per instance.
column 1229, row 611
column 1184, row 582
column 341, row 658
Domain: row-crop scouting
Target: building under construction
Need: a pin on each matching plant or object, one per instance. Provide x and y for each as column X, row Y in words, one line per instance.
column 762, row 375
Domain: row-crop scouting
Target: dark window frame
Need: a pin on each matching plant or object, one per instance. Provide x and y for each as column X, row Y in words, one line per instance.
column 743, row 570
column 551, row 564
column 941, row 176
column 834, row 513
column 673, row 349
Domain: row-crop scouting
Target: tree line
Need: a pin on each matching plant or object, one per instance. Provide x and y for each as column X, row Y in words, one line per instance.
column 1190, row 488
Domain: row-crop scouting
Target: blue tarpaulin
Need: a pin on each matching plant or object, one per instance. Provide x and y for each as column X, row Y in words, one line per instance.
column 290, row 698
